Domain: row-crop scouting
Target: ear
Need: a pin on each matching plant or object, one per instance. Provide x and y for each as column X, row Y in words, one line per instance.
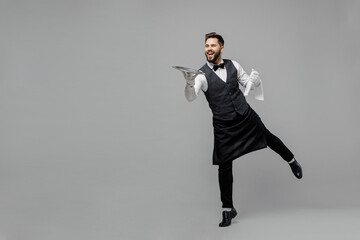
column 222, row 49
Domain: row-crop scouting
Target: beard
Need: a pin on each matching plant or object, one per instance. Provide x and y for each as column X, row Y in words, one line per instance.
column 215, row 57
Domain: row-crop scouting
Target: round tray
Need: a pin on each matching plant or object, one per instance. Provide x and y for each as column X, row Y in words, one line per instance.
column 188, row 70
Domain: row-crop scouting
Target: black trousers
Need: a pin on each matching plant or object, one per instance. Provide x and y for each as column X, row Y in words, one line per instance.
column 225, row 170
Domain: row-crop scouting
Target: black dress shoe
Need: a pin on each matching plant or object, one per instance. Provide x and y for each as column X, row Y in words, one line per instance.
column 296, row 169
column 227, row 216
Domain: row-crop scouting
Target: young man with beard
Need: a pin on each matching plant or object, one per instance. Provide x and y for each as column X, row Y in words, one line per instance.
column 237, row 128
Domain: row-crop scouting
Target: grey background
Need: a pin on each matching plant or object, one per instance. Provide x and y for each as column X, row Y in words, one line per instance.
column 97, row 140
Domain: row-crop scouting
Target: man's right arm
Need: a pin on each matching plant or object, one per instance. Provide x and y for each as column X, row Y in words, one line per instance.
column 193, row 87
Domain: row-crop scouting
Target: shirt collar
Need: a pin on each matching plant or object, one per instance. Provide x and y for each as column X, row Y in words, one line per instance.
column 211, row 65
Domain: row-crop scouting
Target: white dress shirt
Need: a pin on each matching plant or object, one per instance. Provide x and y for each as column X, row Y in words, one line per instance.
column 201, row 83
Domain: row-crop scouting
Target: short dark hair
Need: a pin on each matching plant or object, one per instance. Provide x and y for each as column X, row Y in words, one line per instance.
column 215, row 35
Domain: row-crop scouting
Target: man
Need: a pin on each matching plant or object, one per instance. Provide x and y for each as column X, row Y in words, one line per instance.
column 237, row 128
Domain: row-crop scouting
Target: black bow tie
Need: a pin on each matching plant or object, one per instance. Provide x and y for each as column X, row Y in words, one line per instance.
column 215, row 67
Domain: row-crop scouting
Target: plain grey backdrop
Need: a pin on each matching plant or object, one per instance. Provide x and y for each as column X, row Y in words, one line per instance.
column 97, row 140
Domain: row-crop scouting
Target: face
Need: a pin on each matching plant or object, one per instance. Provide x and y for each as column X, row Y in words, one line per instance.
column 213, row 50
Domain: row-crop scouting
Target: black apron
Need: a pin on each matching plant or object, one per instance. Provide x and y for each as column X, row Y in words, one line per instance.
column 234, row 138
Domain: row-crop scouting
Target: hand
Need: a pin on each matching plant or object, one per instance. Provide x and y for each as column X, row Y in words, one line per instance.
column 190, row 78
column 254, row 77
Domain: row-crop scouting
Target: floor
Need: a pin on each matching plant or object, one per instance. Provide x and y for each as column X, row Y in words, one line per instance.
column 179, row 224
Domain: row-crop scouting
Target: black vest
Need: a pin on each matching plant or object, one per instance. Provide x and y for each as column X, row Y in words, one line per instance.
column 225, row 98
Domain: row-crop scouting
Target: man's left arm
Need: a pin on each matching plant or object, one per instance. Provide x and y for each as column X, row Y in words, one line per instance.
column 254, row 79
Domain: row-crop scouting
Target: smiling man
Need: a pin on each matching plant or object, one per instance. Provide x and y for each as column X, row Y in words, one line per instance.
column 238, row 130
